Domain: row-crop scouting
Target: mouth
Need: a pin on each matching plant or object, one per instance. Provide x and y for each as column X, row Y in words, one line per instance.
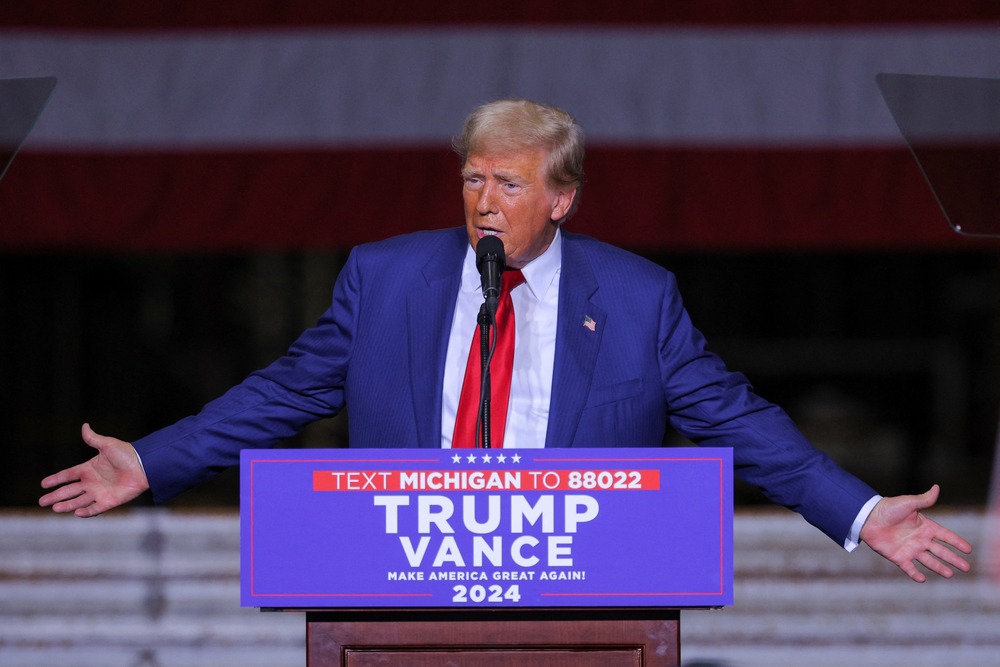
column 487, row 232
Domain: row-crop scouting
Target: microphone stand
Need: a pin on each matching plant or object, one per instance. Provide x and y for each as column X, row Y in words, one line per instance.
column 485, row 321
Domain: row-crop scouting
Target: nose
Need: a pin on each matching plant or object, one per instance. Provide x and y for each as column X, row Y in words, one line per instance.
column 486, row 203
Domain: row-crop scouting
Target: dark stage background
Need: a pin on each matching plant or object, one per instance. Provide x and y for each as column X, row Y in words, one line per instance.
column 888, row 360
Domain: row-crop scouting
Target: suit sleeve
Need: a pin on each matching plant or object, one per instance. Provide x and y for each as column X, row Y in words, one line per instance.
column 272, row 404
column 713, row 406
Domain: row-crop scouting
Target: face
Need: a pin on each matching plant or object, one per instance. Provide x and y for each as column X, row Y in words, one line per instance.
column 509, row 195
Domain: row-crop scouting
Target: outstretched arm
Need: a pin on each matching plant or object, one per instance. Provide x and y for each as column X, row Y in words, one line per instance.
column 110, row 479
column 897, row 530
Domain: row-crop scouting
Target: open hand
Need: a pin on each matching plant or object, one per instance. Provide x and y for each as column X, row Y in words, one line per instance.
column 112, row 478
column 898, row 530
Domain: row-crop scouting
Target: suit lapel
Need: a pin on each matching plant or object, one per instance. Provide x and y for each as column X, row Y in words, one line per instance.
column 578, row 340
column 430, row 308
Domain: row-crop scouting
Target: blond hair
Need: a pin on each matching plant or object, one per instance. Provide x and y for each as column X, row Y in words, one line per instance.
column 516, row 124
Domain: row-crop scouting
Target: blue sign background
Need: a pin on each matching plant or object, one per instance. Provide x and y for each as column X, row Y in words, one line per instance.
column 667, row 544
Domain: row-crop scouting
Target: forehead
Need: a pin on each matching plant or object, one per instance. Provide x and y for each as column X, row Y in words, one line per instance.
column 524, row 162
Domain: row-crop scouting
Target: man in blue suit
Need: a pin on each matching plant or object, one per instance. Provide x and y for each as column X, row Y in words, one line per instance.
column 605, row 356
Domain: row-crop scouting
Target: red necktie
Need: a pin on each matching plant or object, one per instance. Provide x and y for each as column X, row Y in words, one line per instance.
column 466, row 433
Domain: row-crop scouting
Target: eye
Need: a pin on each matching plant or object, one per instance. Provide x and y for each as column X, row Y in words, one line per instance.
column 473, row 182
column 510, row 186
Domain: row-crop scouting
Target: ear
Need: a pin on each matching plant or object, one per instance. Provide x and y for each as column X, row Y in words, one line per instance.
column 562, row 203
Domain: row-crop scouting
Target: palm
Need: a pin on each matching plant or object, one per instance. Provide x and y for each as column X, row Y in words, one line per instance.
column 111, row 478
column 898, row 530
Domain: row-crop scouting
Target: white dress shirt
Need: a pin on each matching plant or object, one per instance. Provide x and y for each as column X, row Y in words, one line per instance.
column 536, row 311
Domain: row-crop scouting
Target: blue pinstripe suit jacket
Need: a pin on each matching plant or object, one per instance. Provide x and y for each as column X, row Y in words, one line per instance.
column 380, row 349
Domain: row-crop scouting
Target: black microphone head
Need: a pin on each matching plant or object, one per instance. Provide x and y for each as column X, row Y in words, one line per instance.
column 490, row 248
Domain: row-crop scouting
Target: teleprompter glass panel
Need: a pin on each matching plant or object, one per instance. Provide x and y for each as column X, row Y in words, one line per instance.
column 21, row 103
column 952, row 126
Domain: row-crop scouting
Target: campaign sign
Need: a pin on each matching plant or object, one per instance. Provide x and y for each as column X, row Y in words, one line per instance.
column 480, row 528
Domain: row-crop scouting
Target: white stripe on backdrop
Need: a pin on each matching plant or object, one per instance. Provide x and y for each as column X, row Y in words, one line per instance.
column 394, row 86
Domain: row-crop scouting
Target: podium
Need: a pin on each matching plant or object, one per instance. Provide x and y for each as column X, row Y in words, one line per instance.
column 522, row 638
column 488, row 557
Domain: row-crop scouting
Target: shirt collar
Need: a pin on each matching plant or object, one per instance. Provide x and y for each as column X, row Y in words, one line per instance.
column 539, row 273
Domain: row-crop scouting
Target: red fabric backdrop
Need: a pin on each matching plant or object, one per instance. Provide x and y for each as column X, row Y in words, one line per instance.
column 124, row 183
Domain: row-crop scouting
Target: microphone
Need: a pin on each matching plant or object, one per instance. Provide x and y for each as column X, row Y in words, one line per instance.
column 491, row 261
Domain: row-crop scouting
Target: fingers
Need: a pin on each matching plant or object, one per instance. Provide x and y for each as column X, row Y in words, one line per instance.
column 936, row 552
column 928, row 560
column 78, row 499
column 940, row 560
column 57, row 496
column 900, row 506
column 928, row 498
column 66, row 498
column 953, row 540
column 76, row 473
column 89, row 511
column 943, row 544
column 85, row 504
column 73, row 482
column 111, row 478
column 95, row 439
column 943, row 554
column 62, row 477
column 899, row 531
column 911, row 570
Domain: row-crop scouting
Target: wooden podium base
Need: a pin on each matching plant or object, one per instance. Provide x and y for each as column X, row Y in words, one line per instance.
column 503, row 638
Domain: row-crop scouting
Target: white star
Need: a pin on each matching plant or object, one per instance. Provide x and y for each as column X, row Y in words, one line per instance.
column 487, row 458
column 456, row 458
column 471, row 458
column 501, row 458
column 516, row 458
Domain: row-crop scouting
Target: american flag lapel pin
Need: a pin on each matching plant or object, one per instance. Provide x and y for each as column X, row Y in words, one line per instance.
column 589, row 323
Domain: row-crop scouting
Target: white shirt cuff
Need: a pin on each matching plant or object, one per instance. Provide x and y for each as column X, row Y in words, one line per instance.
column 139, row 459
column 854, row 537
